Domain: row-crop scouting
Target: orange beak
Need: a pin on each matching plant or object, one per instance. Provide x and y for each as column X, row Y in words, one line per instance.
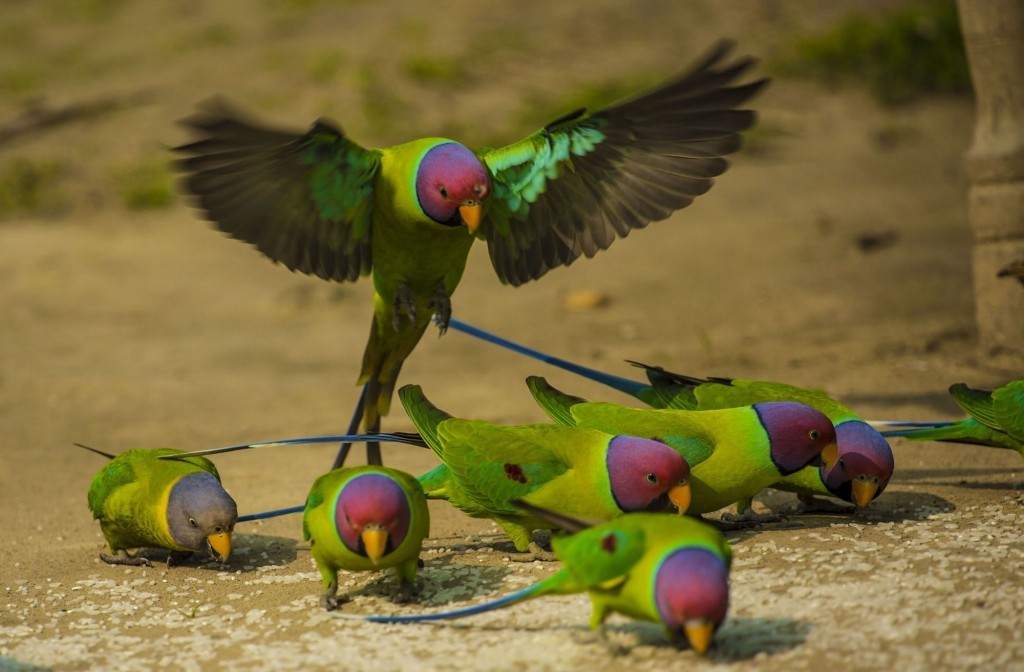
column 220, row 545
column 863, row 491
column 471, row 215
column 375, row 541
column 680, row 495
column 699, row 633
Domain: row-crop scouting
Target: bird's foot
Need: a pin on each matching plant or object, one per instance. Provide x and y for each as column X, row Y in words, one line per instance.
column 123, row 558
column 812, row 504
column 534, row 552
column 402, row 303
column 441, row 304
column 330, row 600
column 175, row 558
column 746, row 520
column 407, row 592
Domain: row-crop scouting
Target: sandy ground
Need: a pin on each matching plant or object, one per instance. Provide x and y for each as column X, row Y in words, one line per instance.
column 141, row 329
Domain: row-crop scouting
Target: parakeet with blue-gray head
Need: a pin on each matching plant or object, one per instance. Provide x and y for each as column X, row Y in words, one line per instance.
column 321, row 204
column 179, row 504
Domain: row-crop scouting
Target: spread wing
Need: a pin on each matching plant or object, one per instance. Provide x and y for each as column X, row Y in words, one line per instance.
column 584, row 180
column 303, row 199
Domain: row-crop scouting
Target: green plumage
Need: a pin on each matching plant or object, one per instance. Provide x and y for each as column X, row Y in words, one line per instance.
column 320, row 528
column 321, row 204
column 728, row 449
column 486, row 467
column 129, row 497
column 996, row 418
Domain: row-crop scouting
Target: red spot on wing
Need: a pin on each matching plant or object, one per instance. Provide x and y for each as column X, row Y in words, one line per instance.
column 608, row 543
column 514, row 472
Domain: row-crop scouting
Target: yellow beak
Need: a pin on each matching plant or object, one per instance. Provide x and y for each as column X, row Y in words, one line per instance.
column 471, row 216
column 680, row 495
column 699, row 633
column 830, row 455
column 863, row 492
column 220, row 545
column 375, row 541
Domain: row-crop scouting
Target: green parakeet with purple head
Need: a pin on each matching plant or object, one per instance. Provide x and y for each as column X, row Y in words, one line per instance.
column 365, row 519
column 319, row 203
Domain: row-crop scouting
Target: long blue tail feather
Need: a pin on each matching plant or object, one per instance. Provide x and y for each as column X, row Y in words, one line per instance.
column 397, row 437
column 272, row 514
column 465, row 611
column 630, row 387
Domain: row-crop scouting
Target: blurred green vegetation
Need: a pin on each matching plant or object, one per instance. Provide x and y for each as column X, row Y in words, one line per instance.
column 537, row 109
column 323, row 67
column 434, row 70
column 900, row 55
column 147, row 184
column 31, row 186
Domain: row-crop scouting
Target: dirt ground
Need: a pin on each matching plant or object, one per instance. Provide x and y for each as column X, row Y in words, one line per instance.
column 141, row 328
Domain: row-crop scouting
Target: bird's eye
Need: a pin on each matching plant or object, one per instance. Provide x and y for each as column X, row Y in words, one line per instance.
column 842, row 464
column 192, row 522
column 218, row 529
column 443, row 192
column 682, row 481
column 814, row 434
column 478, row 189
column 652, row 478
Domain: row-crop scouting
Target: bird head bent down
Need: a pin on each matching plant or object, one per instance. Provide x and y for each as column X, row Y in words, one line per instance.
column 691, row 593
column 798, row 435
column 865, row 463
column 372, row 515
column 201, row 516
column 452, row 185
column 647, row 475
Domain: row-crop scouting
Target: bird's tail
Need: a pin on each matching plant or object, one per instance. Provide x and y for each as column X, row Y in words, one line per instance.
column 552, row 584
column 554, row 402
column 95, row 450
column 945, row 432
column 625, row 385
column 424, row 414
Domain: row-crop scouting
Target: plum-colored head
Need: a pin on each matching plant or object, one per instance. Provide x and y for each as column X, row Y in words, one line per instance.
column 691, row 593
column 647, row 475
column 864, row 466
column 372, row 515
column 798, row 435
column 451, row 185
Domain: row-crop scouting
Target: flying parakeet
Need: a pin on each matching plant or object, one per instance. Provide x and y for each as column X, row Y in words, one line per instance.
column 672, row 570
column 364, row 519
column 572, row 471
column 143, row 501
column 997, row 418
column 864, row 462
column 733, row 453
column 321, row 204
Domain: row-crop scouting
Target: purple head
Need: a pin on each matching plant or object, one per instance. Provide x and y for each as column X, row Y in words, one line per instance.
column 797, row 435
column 647, row 475
column 691, row 593
column 450, row 179
column 865, row 463
column 372, row 515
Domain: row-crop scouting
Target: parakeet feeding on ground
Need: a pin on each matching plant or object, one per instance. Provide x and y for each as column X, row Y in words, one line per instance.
column 733, row 453
column 142, row 501
column 321, row 204
column 864, row 463
column 364, row 519
column 996, row 419
column 672, row 570
column 573, row 471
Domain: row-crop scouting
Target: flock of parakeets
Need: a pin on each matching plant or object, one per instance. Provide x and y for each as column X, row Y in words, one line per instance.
column 319, row 203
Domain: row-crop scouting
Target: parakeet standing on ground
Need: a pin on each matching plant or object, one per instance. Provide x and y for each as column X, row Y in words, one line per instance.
column 733, row 453
column 142, row 501
column 364, row 519
column 319, row 203
column 672, row 570
column 864, row 462
column 997, row 419
column 573, row 471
